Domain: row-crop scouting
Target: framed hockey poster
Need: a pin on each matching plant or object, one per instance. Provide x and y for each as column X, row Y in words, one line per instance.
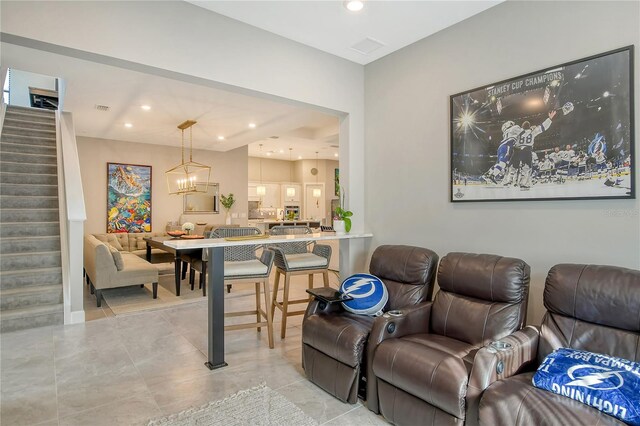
column 565, row 132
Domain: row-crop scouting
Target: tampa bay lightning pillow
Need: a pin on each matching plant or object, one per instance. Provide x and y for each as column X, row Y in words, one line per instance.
column 368, row 292
column 606, row 383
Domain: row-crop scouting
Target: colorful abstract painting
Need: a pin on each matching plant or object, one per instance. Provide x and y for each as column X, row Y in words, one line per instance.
column 128, row 198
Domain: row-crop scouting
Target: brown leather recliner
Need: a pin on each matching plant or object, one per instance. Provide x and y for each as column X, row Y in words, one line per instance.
column 421, row 360
column 333, row 340
column 589, row 307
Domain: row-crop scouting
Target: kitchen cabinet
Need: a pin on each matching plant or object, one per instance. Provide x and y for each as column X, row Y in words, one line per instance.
column 271, row 199
column 296, row 198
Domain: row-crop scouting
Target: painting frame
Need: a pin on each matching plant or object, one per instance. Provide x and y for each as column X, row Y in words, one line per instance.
column 129, row 198
column 596, row 92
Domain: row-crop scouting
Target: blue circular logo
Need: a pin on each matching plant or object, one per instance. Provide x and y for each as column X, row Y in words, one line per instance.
column 368, row 292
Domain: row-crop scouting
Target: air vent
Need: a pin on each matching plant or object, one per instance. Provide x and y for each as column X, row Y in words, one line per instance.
column 367, row 46
column 103, row 108
column 274, row 137
column 334, row 146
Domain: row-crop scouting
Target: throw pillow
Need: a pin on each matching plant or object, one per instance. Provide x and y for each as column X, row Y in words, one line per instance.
column 117, row 258
column 606, row 383
column 368, row 292
column 110, row 239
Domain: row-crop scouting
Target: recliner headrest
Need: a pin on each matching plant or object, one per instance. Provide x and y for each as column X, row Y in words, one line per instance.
column 485, row 276
column 404, row 264
column 605, row 295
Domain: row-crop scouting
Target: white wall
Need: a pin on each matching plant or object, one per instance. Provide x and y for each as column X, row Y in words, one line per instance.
column 229, row 169
column 19, row 84
column 407, row 139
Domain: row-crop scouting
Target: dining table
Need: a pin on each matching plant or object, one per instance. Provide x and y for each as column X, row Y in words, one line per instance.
column 215, row 278
column 159, row 243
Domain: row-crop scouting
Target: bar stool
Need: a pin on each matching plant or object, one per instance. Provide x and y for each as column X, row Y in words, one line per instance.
column 241, row 264
column 295, row 259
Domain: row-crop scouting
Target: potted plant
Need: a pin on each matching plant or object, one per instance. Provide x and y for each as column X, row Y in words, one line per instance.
column 342, row 220
column 227, row 202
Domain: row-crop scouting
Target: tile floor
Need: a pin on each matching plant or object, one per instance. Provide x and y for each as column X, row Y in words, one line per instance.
column 127, row 369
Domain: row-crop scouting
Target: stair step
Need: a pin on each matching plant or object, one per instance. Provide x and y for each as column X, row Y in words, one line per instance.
column 18, row 202
column 27, row 140
column 28, row 190
column 30, row 215
column 17, row 298
column 31, row 317
column 14, row 130
column 30, row 278
column 27, row 149
column 28, row 116
column 31, row 111
column 39, row 179
column 28, row 159
column 26, row 230
column 21, row 261
column 29, row 245
column 26, row 123
column 32, row 169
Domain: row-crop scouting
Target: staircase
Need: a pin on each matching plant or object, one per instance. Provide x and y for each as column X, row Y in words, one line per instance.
column 30, row 262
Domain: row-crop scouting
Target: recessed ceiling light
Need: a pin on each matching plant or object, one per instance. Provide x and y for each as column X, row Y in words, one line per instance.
column 282, row 151
column 220, row 138
column 146, row 107
column 128, row 125
column 335, row 154
column 299, row 157
column 252, row 125
column 268, row 154
column 354, row 5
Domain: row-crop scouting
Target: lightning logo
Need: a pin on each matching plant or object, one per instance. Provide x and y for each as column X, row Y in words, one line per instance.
column 595, row 378
column 359, row 284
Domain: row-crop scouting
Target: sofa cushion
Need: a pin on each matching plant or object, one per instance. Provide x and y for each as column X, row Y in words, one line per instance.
column 117, row 258
column 305, row 260
column 430, row 374
column 111, row 240
column 136, row 271
column 341, row 337
column 534, row 406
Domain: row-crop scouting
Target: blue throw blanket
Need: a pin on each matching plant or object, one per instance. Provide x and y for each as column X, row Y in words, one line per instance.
column 606, row 383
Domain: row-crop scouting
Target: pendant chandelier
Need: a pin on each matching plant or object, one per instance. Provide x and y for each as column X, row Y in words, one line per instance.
column 261, row 190
column 291, row 191
column 188, row 177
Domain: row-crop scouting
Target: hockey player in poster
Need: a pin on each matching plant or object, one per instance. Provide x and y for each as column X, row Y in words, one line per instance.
column 522, row 153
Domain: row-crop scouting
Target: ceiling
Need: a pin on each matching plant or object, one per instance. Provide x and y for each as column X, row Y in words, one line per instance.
column 325, row 25
column 329, row 26
column 218, row 112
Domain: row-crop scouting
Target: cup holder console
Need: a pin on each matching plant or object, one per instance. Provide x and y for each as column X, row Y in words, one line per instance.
column 499, row 346
column 395, row 313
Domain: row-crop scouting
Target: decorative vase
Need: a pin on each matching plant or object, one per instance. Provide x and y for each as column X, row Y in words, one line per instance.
column 227, row 219
column 338, row 226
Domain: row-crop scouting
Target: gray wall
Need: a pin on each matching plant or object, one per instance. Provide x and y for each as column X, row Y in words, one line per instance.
column 407, row 140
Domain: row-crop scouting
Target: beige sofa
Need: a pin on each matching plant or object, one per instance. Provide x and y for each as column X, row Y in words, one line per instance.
column 135, row 244
column 106, row 267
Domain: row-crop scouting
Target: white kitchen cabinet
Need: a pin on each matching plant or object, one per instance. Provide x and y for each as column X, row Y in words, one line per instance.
column 297, row 196
column 271, row 199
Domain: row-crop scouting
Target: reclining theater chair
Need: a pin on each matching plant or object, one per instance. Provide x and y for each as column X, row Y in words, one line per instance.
column 420, row 360
column 333, row 340
column 589, row 307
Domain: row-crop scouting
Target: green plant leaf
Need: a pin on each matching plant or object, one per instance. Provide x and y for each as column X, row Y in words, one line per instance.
column 347, row 224
column 347, row 214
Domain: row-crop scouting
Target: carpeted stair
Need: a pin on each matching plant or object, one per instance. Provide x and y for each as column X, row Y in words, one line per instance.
column 30, row 262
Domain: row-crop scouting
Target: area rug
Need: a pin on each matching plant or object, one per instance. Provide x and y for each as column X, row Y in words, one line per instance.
column 260, row 405
column 127, row 300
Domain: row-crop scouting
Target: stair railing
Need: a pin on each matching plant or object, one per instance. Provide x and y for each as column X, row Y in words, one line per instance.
column 72, row 218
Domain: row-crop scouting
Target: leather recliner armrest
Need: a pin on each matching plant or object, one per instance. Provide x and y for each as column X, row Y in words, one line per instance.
column 393, row 325
column 493, row 363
